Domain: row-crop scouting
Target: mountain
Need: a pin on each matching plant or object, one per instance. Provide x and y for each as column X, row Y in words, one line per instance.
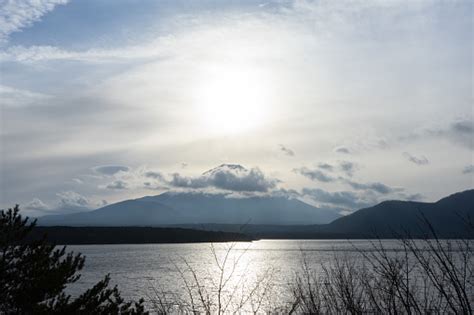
column 280, row 217
column 125, row 213
column 173, row 208
column 232, row 168
column 448, row 217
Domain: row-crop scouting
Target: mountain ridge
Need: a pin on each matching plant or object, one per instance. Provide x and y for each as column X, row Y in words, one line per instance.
column 172, row 208
column 273, row 216
column 446, row 216
column 443, row 215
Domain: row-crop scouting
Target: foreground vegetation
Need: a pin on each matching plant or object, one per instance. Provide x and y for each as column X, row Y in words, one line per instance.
column 423, row 276
column 34, row 276
column 427, row 276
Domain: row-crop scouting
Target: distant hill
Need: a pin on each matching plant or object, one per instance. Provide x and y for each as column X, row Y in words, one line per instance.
column 279, row 217
column 66, row 235
column 448, row 217
column 197, row 208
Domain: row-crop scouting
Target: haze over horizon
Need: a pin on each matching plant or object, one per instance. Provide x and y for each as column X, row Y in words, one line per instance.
column 342, row 106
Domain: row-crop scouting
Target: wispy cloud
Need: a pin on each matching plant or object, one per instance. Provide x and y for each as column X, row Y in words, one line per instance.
column 458, row 131
column 468, row 169
column 462, row 132
column 18, row 14
column 342, row 149
column 30, row 54
column 65, row 202
column 326, row 166
column 287, row 150
column 117, row 185
column 36, row 204
column 154, row 175
column 374, row 186
column 343, row 199
column 421, row 160
column 111, row 169
column 73, row 199
column 348, row 168
column 75, row 105
column 314, row 174
column 13, row 97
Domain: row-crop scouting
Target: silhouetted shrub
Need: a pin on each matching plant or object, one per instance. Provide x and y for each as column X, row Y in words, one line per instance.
column 230, row 292
column 423, row 276
column 34, row 275
column 418, row 276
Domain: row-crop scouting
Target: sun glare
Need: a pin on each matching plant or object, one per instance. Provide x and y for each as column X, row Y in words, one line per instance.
column 232, row 100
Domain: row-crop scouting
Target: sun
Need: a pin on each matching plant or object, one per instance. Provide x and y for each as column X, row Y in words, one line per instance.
column 232, row 100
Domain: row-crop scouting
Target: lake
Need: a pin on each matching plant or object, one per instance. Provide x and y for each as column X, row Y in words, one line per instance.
column 263, row 268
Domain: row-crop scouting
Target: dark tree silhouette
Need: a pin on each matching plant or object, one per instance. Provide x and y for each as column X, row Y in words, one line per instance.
column 34, row 275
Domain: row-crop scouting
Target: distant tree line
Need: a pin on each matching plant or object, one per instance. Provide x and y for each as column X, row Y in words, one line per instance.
column 68, row 235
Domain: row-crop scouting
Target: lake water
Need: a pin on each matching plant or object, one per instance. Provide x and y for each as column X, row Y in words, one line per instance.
column 265, row 267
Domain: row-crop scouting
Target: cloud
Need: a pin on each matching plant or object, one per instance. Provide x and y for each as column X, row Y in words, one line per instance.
column 37, row 205
column 351, row 200
column 77, row 181
column 462, row 132
column 72, row 199
column 459, row 131
column 342, row 149
column 126, row 178
column 412, row 197
column 463, row 126
column 117, row 185
column 19, row 14
column 468, row 169
column 231, row 177
column 110, row 170
column 253, row 180
column 33, row 54
column 188, row 182
column 422, row 160
column 366, row 142
column 154, row 175
column 314, row 174
column 160, row 47
column 347, row 167
column 375, row 186
column 345, row 199
column 66, row 202
column 288, row 193
column 287, row 150
column 136, row 80
column 13, row 97
column 326, row 166
column 154, row 186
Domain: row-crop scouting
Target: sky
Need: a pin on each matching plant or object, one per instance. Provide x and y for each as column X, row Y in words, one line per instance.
column 342, row 104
